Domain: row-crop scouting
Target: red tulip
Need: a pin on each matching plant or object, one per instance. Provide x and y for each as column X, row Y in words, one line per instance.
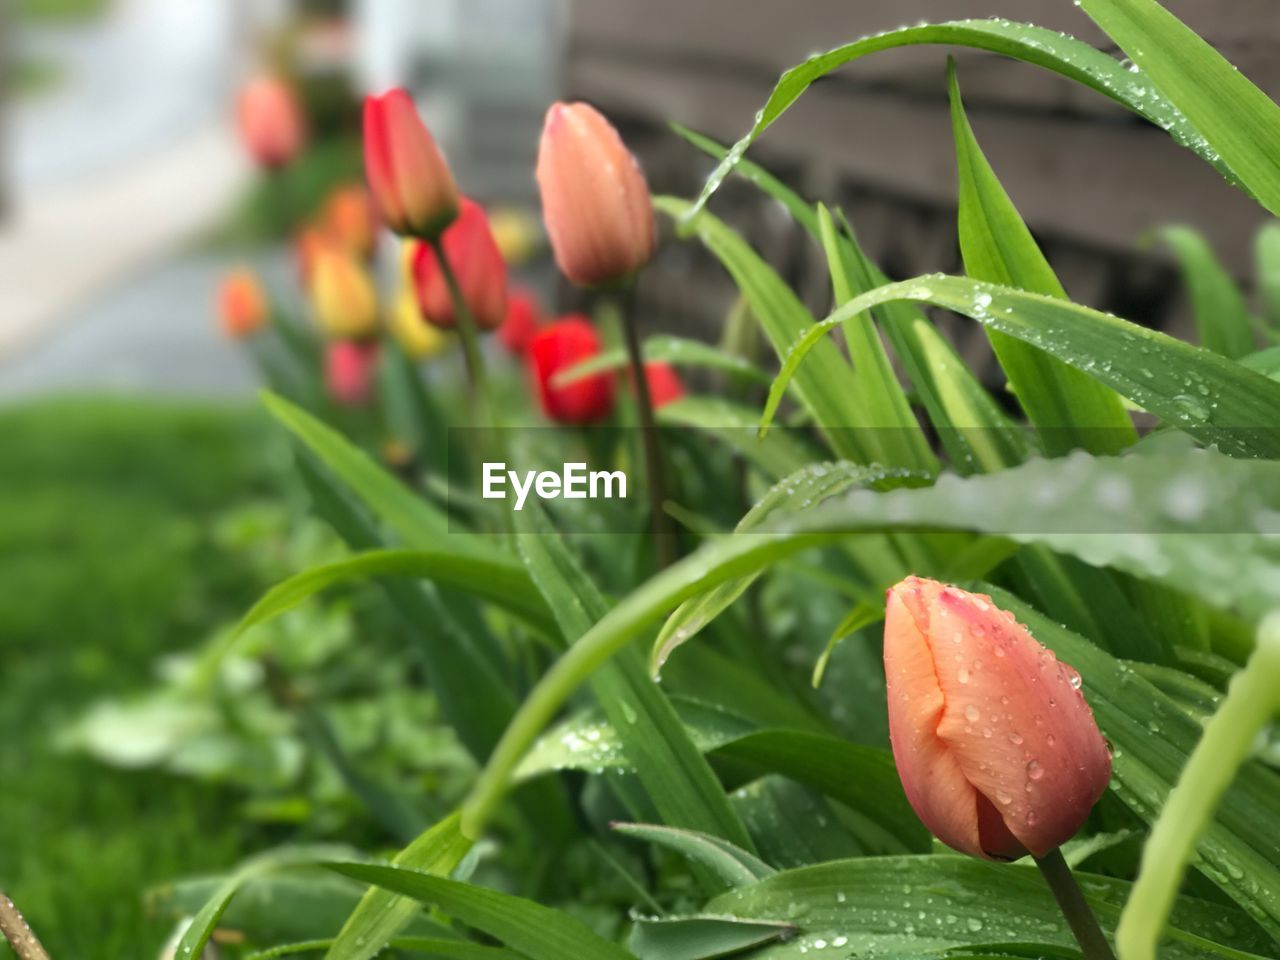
column 997, row 749
column 271, row 122
column 557, row 347
column 242, row 304
column 410, row 180
column 664, row 383
column 349, row 369
column 477, row 264
column 522, row 322
column 595, row 201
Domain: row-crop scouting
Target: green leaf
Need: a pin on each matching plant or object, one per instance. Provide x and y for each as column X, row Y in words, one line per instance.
column 463, row 676
column 825, row 389
column 1267, row 264
column 1070, row 409
column 1217, row 305
column 1191, row 388
column 894, row 438
column 1236, row 120
column 538, row 932
column 678, row 351
column 861, row 777
column 678, row 780
column 912, row 906
column 437, row 947
column 413, row 519
column 1035, row 45
column 206, row 920
column 732, row 864
column 1222, row 569
column 499, row 581
column 382, row 914
column 701, row 938
column 1252, row 702
column 800, row 490
column 735, row 426
column 972, row 429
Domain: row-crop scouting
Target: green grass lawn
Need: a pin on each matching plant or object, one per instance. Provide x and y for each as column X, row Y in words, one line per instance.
column 106, row 562
column 61, row 11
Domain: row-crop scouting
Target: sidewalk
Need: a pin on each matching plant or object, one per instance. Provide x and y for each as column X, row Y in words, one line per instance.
column 69, row 243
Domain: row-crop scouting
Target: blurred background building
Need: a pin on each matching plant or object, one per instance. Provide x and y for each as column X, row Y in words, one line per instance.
column 123, row 186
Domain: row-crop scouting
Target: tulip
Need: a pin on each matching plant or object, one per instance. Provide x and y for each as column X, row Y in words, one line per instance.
column 242, row 304
column 351, row 220
column 411, row 182
column 345, row 302
column 271, row 122
column 664, row 383
column 349, row 369
column 522, row 322
column 595, row 201
column 419, row 338
column 997, row 749
column 307, row 244
column 481, row 274
column 557, row 347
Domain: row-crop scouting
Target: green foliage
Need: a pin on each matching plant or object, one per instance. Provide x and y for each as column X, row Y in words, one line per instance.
column 144, row 485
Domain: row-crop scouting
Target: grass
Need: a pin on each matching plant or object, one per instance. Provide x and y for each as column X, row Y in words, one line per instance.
column 60, row 11
column 33, row 77
column 105, row 563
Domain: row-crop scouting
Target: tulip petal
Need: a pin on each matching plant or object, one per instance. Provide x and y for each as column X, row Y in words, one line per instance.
column 377, row 163
column 932, row 778
column 1015, row 721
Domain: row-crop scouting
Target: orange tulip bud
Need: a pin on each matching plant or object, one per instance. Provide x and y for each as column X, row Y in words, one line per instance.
column 411, row 182
column 343, row 296
column 997, row 749
column 595, row 201
column 349, row 370
column 242, row 304
column 271, row 122
column 482, row 276
column 351, row 220
column 307, row 244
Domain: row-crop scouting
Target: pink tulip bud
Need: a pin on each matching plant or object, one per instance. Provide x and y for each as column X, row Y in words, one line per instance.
column 595, row 201
column 271, row 122
column 997, row 749
column 407, row 174
column 478, row 266
column 349, row 370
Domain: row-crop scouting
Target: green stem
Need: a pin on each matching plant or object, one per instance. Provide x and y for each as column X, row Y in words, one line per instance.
column 1083, row 924
column 15, row 929
column 664, row 538
column 468, row 332
column 1252, row 700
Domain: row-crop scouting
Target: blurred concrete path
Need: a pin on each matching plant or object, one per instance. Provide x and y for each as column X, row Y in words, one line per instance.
column 153, row 332
column 129, row 158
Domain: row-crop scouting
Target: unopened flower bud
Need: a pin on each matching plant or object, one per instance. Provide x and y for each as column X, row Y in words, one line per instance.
column 410, row 181
column 997, row 749
column 595, row 201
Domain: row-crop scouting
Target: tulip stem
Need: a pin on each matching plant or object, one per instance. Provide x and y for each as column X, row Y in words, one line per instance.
column 468, row 333
column 18, row 933
column 1083, row 924
column 664, row 538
